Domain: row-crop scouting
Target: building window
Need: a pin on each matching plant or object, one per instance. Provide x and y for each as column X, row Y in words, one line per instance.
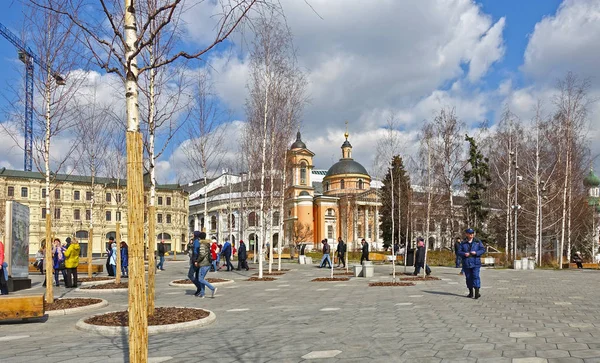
column 159, row 217
column 231, row 221
column 159, row 200
column 252, row 219
column 330, row 232
column 43, row 213
column 77, row 195
column 118, row 197
column 303, row 173
column 88, row 214
column 118, row 216
column 326, row 186
column 276, row 218
column 342, row 184
column 108, row 197
column 56, row 213
column 108, row 216
column 202, row 223
column 11, row 191
column 76, row 214
column 168, row 218
column 57, row 194
column 330, row 212
column 168, row 200
column 360, row 184
column 213, row 223
column 88, row 195
column 24, row 192
column 43, row 193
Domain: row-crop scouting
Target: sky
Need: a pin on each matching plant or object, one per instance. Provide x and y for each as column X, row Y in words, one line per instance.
column 367, row 60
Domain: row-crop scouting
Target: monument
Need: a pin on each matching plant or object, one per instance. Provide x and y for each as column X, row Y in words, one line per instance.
column 16, row 248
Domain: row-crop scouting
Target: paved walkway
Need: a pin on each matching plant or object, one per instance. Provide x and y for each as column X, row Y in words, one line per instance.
column 523, row 316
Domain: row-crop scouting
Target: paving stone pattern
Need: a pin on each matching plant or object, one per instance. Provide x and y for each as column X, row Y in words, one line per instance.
column 523, row 316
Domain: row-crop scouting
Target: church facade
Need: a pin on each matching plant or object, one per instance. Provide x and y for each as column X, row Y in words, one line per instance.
column 341, row 203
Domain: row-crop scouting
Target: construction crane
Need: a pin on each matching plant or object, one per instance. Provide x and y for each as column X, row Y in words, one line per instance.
column 27, row 56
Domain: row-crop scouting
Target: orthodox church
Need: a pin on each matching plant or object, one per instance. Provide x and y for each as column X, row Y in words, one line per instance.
column 341, row 203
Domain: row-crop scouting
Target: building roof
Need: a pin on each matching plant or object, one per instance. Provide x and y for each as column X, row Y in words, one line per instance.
column 80, row 179
column 346, row 166
column 298, row 144
column 591, row 180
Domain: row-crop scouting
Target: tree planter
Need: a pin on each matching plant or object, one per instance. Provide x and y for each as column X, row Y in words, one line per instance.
column 385, row 284
column 165, row 319
column 343, row 274
column 105, row 288
column 261, row 279
column 419, row 278
column 328, row 279
column 74, row 305
column 274, row 273
column 86, row 281
column 187, row 284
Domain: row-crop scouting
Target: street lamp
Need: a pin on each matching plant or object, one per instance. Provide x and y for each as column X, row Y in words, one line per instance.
column 542, row 197
column 516, row 205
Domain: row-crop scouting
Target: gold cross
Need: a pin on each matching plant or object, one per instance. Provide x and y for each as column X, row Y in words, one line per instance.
column 346, row 134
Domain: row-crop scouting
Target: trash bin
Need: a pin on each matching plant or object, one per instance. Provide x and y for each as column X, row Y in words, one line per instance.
column 410, row 257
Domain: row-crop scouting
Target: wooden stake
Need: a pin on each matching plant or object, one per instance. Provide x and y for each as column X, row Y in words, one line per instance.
column 118, row 267
column 90, row 251
column 151, row 258
column 48, row 261
column 138, row 321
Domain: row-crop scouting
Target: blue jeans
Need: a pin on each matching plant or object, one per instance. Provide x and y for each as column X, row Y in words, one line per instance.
column 472, row 276
column 458, row 260
column 202, row 281
column 161, row 262
column 327, row 259
column 124, row 270
column 214, row 265
column 193, row 276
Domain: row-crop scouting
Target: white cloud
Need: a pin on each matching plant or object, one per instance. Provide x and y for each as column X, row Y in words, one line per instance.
column 566, row 41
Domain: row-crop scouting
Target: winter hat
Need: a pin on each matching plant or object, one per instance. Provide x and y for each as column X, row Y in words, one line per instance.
column 68, row 240
column 196, row 234
column 469, row 231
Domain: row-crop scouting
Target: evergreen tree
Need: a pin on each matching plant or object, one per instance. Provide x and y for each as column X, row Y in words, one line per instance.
column 401, row 182
column 476, row 179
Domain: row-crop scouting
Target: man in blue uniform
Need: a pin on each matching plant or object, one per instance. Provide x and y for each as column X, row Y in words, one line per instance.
column 471, row 250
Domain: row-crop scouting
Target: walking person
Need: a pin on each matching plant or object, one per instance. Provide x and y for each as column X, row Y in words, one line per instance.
column 39, row 261
column 242, row 257
column 194, row 269
column 326, row 257
column 365, row 251
column 124, row 260
column 226, row 253
column 471, row 250
column 420, row 258
column 215, row 258
column 161, row 255
column 578, row 259
column 458, row 261
column 341, row 252
column 109, row 270
column 203, row 264
column 3, row 272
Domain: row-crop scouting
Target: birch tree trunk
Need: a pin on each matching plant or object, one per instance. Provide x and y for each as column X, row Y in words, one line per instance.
column 152, row 206
column 262, row 168
column 48, row 259
column 428, row 203
column 138, row 322
column 118, row 267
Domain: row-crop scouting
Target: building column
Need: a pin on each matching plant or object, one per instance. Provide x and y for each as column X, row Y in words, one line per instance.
column 196, row 222
column 366, row 223
column 376, row 225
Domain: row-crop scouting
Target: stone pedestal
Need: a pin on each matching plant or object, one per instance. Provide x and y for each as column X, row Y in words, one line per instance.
column 367, row 270
column 517, row 264
column 302, row 260
column 357, row 270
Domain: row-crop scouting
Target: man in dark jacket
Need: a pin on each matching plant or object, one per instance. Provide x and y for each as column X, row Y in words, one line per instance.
column 471, row 250
column 242, row 257
column 420, row 258
column 226, row 253
column 161, row 255
column 456, row 248
column 326, row 251
column 341, row 252
column 365, row 251
column 193, row 271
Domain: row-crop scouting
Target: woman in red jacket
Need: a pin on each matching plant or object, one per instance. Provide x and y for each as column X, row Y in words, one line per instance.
column 213, row 253
column 3, row 272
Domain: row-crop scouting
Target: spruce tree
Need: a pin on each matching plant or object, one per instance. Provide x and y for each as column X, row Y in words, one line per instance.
column 476, row 178
column 401, row 188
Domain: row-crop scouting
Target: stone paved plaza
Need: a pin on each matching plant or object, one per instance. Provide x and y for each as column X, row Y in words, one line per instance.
column 523, row 316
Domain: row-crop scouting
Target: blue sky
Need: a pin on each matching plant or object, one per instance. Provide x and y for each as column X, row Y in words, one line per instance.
column 368, row 60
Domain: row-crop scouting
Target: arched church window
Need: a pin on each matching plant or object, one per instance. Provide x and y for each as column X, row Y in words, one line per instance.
column 342, row 184
column 326, row 186
column 360, row 184
column 252, row 219
column 330, row 232
column 213, row 223
column 303, row 173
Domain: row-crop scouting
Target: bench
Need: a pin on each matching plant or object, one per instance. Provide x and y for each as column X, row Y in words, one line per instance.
column 81, row 268
column 21, row 307
column 585, row 265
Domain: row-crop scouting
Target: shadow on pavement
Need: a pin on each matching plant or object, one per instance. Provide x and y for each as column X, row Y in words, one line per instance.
column 444, row 293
